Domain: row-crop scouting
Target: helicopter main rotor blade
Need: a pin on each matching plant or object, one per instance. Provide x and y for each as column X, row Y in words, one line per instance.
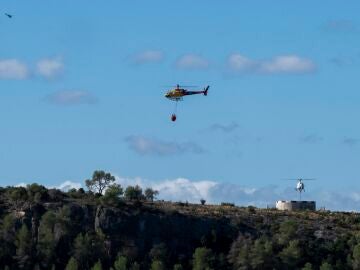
column 180, row 85
column 297, row 179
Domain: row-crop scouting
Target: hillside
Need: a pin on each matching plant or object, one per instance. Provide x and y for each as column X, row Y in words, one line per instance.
column 49, row 229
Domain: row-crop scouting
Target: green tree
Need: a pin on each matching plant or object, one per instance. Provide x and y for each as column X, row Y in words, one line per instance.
column 97, row 266
column 99, row 181
column 135, row 266
column 55, row 195
column 150, row 194
column 178, row 267
column 112, row 195
column 157, row 265
column 356, row 257
column 326, row 266
column 23, row 247
column 120, row 263
column 261, row 254
column 7, row 239
column 133, row 193
column 46, row 242
column 291, row 255
column 36, row 192
column 18, row 196
column 239, row 255
column 76, row 193
column 82, row 250
column 72, row 264
column 158, row 252
column 287, row 231
column 307, row 266
column 203, row 259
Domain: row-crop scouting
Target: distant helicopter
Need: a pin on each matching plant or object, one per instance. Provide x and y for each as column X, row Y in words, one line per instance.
column 179, row 92
column 8, row 15
column 300, row 186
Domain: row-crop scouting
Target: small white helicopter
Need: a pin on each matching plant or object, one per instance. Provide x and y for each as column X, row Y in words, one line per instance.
column 300, row 186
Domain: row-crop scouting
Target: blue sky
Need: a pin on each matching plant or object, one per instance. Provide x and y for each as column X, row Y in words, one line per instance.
column 82, row 85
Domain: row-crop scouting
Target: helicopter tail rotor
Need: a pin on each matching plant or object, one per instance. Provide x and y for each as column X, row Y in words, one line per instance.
column 206, row 89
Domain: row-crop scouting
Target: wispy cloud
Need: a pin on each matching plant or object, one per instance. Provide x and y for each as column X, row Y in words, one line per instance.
column 22, row 184
column 182, row 189
column 13, row 69
column 151, row 146
column 50, row 68
column 179, row 189
column 350, row 141
column 67, row 185
column 71, row 97
column 192, row 61
column 341, row 25
column 223, row 127
column 148, row 56
column 283, row 64
column 311, row 139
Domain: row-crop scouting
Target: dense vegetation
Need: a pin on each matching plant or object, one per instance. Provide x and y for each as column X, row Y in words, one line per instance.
column 107, row 227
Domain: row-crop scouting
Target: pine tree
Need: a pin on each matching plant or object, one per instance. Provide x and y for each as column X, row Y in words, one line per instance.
column 291, row 255
column 135, row 266
column 46, row 242
column 356, row 257
column 82, row 250
column 120, row 263
column 261, row 254
column 326, row 266
column 307, row 266
column 178, row 267
column 203, row 259
column 23, row 246
column 99, row 181
column 157, row 265
column 72, row 264
column 97, row 266
column 239, row 255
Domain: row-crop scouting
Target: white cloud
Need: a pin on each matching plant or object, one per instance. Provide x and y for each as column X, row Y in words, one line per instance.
column 214, row 192
column 151, row 146
column 284, row 64
column 192, row 61
column 13, row 69
column 21, row 185
column 71, row 97
column 240, row 63
column 182, row 189
column 50, row 67
column 67, row 185
column 148, row 56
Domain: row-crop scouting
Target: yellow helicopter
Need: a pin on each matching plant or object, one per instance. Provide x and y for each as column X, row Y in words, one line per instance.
column 179, row 92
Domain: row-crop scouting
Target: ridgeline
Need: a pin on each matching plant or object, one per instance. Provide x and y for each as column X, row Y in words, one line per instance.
column 49, row 229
